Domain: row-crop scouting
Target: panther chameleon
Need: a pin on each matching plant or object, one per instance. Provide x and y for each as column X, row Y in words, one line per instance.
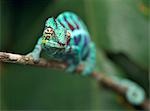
column 66, row 38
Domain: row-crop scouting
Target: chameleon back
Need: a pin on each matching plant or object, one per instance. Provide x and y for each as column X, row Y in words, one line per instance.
column 79, row 33
column 71, row 21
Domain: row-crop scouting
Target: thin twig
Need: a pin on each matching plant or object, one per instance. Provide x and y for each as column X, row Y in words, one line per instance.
column 101, row 78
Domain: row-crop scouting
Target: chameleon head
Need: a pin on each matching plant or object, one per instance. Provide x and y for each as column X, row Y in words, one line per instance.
column 55, row 36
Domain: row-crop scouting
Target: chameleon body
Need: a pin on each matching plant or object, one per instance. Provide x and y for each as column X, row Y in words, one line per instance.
column 66, row 38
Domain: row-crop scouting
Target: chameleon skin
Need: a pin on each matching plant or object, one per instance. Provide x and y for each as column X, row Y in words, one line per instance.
column 66, row 38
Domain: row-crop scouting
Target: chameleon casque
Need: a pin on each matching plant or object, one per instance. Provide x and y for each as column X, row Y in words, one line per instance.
column 66, row 38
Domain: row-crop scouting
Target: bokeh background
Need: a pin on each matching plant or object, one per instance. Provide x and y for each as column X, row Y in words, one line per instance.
column 118, row 27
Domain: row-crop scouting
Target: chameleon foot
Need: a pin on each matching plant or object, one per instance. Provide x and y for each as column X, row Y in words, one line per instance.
column 87, row 71
column 71, row 68
column 33, row 56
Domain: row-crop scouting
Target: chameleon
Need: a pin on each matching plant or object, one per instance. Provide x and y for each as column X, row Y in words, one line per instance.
column 66, row 38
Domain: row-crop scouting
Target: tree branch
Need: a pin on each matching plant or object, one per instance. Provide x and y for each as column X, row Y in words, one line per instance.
column 101, row 78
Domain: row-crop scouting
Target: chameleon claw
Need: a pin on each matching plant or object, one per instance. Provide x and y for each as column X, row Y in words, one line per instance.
column 33, row 57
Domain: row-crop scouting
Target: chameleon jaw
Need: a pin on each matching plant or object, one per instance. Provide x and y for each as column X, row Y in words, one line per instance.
column 50, row 44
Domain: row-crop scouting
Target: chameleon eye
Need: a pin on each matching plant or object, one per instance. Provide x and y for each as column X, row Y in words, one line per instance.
column 49, row 30
column 68, row 34
column 68, row 37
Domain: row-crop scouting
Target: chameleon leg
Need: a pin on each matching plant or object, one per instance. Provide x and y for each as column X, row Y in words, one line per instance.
column 35, row 54
column 89, row 64
column 73, row 58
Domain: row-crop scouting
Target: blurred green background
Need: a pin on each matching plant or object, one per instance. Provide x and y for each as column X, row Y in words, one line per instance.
column 118, row 27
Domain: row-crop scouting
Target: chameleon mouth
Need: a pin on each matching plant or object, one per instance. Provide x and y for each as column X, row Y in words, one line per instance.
column 61, row 44
column 50, row 44
column 48, row 33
